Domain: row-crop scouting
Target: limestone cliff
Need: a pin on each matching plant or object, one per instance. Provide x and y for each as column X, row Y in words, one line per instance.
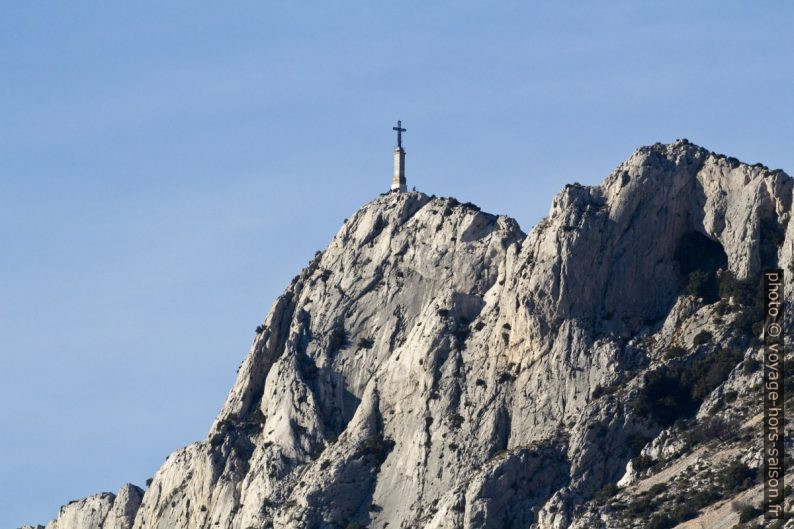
column 435, row 367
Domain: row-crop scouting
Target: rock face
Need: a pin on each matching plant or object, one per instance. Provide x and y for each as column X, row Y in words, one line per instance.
column 435, row 367
column 101, row 511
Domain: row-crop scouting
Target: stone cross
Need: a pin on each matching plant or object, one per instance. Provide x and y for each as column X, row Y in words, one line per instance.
column 399, row 128
column 398, row 180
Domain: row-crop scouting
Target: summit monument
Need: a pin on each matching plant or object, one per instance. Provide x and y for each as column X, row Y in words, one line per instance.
column 398, row 181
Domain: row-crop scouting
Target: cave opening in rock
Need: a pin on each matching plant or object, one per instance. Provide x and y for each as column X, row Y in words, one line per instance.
column 771, row 234
column 698, row 258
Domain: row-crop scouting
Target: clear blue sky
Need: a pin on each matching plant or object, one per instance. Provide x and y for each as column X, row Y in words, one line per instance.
column 167, row 167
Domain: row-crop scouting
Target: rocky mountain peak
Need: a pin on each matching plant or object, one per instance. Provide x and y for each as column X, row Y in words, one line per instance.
column 437, row 367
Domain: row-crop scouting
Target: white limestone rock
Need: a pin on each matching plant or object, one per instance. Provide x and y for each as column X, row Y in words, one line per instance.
column 435, row 367
column 101, row 511
column 125, row 507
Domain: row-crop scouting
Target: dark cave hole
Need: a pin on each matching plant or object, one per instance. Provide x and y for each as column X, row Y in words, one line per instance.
column 771, row 234
column 677, row 390
column 698, row 258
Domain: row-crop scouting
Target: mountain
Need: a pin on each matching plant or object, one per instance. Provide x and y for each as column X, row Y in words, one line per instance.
column 437, row 368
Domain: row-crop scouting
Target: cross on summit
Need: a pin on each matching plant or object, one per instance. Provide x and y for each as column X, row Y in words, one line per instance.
column 398, row 181
column 399, row 128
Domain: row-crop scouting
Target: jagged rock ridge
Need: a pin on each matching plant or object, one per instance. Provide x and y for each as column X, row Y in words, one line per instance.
column 435, row 367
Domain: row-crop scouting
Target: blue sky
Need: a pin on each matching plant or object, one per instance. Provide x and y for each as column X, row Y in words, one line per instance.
column 167, row 167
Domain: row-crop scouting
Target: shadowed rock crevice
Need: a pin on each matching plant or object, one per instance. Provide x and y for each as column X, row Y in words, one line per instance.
column 699, row 258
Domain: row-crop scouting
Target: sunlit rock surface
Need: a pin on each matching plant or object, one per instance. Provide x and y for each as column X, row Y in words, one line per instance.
column 436, row 367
